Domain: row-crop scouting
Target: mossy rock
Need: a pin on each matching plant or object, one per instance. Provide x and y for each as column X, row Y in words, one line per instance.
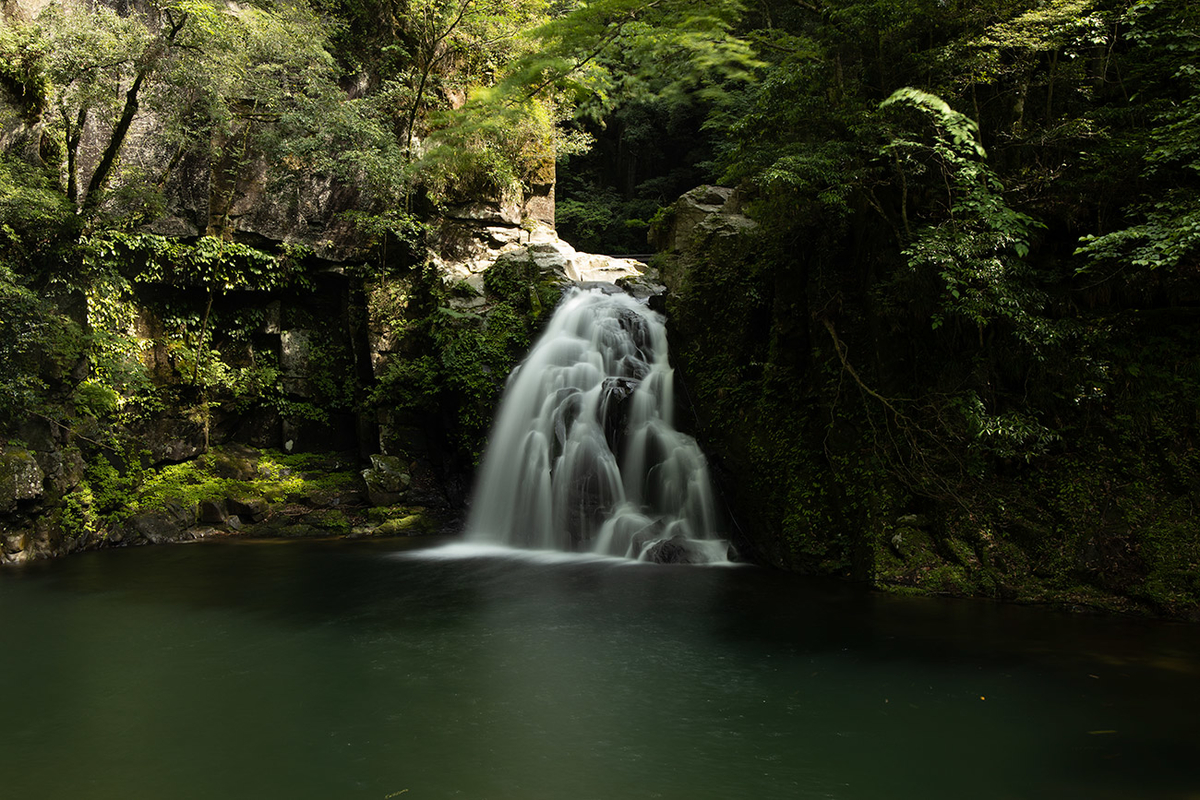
column 330, row 520
column 414, row 524
column 232, row 462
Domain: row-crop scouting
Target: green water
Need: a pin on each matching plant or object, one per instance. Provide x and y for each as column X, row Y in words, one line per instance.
column 359, row 670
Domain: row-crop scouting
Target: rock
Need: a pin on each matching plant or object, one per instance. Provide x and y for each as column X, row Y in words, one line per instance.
column 213, row 511
column 643, row 287
column 551, row 258
column 609, row 269
column 681, row 550
column 234, row 522
column 173, row 226
column 702, row 212
column 20, row 478
column 233, row 462
column 171, row 440
column 503, row 209
column 156, row 527
column 387, row 480
column 37, row 434
column 302, row 530
column 62, row 469
column 24, row 10
column 330, row 521
column 410, row 525
column 14, row 543
column 295, row 353
column 248, row 508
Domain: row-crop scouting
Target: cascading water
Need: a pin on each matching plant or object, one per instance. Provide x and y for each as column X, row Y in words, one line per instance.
column 583, row 455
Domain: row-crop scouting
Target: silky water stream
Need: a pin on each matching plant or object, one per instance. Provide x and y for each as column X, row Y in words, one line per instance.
column 583, row 455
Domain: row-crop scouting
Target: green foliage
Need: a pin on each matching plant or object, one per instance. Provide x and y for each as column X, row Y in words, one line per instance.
column 602, row 52
column 94, row 399
column 604, row 222
column 210, row 262
column 1165, row 229
column 978, row 249
column 490, row 148
column 192, row 482
column 22, row 50
column 34, row 217
column 452, row 364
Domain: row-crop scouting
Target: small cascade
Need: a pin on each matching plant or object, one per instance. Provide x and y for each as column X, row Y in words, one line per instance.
column 583, row 456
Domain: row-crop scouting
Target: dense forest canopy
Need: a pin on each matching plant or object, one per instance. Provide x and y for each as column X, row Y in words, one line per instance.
column 969, row 299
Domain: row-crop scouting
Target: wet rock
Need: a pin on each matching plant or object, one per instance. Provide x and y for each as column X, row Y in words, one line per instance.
column 644, row 287
column 616, row 394
column 678, row 550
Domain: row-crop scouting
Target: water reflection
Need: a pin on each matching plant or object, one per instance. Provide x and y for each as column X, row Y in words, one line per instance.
column 333, row 669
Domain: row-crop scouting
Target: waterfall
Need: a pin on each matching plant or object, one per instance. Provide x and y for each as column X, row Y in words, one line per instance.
column 583, row 455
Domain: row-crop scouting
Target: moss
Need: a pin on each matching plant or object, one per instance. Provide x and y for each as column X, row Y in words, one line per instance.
column 415, row 523
column 238, row 472
column 511, row 276
column 328, row 519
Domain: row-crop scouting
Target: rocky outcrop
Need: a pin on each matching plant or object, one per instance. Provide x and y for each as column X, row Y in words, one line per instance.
column 467, row 251
column 701, row 214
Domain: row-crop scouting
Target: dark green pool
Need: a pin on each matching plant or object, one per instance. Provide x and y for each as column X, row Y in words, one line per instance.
column 362, row 670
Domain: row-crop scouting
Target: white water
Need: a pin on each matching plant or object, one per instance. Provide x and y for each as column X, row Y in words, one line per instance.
column 583, row 455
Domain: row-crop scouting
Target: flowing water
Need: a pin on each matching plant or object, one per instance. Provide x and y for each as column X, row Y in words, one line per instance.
column 583, row 454
column 385, row 669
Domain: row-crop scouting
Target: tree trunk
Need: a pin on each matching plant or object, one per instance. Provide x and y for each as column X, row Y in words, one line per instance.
column 108, row 159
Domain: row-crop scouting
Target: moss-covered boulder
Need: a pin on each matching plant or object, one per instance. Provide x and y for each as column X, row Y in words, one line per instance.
column 388, row 479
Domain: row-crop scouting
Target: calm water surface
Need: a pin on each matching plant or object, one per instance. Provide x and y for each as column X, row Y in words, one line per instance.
column 370, row 670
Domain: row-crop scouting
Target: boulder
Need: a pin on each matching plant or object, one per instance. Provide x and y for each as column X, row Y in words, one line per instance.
column 414, row 524
column 253, row 509
column 213, row 512
column 702, row 212
column 387, row 480
column 502, row 210
column 20, row 478
column 156, row 527
column 14, row 544
column 682, row 550
column 233, row 462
